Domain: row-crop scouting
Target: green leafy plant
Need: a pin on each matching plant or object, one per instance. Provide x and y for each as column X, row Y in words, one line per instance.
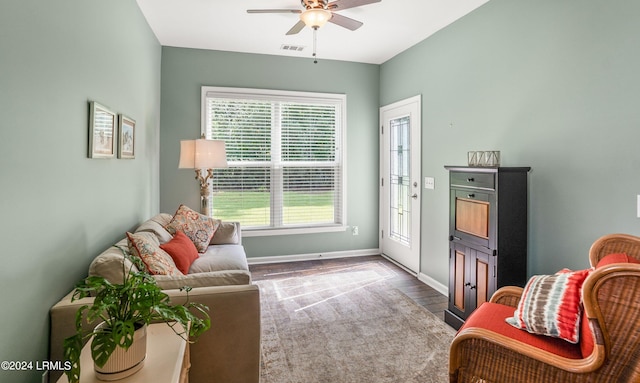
column 124, row 308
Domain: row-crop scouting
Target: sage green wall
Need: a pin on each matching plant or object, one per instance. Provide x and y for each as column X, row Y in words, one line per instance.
column 185, row 71
column 551, row 84
column 59, row 208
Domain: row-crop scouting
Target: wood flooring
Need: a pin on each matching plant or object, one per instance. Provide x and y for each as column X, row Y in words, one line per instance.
column 420, row 292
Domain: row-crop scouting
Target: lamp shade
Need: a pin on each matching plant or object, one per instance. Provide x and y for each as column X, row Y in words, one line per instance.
column 187, row 154
column 202, row 154
column 315, row 18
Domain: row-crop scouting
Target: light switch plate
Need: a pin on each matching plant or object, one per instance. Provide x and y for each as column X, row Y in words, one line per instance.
column 429, row 183
column 638, row 206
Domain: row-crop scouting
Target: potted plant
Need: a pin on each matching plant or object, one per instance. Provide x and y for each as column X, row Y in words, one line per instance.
column 124, row 308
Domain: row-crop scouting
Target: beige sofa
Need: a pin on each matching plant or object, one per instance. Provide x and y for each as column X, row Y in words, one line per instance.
column 230, row 351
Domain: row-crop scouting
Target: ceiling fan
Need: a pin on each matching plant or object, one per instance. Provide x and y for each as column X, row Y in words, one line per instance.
column 317, row 13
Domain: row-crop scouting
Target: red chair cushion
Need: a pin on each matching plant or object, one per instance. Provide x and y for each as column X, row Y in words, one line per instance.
column 492, row 316
column 616, row 258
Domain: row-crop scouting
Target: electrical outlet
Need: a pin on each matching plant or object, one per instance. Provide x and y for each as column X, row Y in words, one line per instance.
column 429, row 183
column 355, row 230
column 638, row 206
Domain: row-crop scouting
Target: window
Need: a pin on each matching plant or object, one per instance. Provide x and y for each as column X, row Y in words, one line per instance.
column 285, row 156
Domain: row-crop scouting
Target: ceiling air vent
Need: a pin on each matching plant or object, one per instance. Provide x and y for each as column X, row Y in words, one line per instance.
column 295, row 48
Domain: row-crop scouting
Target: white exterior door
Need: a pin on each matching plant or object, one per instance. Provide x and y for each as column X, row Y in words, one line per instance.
column 400, row 174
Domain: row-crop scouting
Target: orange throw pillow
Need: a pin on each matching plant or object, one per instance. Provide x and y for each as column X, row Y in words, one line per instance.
column 182, row 250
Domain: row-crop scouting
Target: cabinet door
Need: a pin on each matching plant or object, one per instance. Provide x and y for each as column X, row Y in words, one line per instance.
column 472, row 215
column 483, row 278
column 472, row 278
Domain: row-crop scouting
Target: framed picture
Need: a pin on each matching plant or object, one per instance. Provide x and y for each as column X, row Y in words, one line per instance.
column 126, row 137
column 102, row 131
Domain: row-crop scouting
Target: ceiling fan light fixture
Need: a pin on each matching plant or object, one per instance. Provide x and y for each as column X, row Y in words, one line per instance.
column 315, row 18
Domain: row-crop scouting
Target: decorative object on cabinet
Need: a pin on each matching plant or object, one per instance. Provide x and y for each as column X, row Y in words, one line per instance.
column 203, row 154
column 102, row 131
column 483, row 158
column 487, row 235
column 126, row 137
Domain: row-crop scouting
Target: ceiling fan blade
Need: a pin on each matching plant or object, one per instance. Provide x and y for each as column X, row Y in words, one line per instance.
column 339, row 5
column 296, row 28
column 345, row 22
column 273, row 11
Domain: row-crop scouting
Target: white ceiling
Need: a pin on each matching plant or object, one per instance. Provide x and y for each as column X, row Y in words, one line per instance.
column 390, row 27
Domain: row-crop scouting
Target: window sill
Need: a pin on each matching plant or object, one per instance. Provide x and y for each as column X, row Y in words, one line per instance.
column 291, row 231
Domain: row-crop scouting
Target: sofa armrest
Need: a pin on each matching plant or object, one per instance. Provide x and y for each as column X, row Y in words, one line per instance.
column 62, row 326
column 239, row 231
column 228, row 352
column 507, row 295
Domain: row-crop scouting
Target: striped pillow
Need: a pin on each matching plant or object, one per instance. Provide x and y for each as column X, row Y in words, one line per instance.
column 551, row 305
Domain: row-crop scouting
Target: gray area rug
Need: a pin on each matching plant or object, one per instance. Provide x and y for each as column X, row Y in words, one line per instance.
column 348, row 325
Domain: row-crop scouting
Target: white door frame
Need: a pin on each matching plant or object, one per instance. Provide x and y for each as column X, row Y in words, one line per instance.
column 404, row 248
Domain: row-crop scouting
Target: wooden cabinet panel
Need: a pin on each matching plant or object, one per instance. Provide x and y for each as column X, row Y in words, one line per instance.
column 459, row 282
column 472, row 217
column 482, row 282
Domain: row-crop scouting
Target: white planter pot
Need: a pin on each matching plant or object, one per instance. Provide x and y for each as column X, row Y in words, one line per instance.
column 123, row 363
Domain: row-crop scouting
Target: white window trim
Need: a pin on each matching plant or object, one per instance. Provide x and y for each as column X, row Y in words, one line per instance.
column 270, row 94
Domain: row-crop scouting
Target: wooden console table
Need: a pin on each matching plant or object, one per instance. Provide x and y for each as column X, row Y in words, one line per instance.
column 167, row 359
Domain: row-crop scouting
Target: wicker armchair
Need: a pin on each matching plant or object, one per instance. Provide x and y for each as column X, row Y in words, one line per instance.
column 610, row 325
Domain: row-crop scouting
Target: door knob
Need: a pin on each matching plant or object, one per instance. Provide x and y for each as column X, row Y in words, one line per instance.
column 415, row 196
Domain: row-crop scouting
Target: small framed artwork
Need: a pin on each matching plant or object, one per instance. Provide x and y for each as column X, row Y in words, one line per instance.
column 102, row 131
column 126, row 137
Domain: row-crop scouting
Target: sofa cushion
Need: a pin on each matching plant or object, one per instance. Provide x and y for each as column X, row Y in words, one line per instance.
column 221, row 258
column 147, row 247
column 551, row 305
column 109, row 264
column 156, row 225
column 212, row 278
column 226, row 234
column 198, row 227
column 182, row 251
column 491, row 316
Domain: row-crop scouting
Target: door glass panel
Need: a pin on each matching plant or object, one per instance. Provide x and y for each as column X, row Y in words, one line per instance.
column 399, row 188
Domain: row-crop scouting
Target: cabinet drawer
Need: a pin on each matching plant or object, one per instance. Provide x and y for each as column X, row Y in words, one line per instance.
column 472, row 216
column 473, row 180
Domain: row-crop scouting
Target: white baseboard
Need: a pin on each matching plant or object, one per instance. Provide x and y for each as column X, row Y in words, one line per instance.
column 439, row 287
column 312, row 256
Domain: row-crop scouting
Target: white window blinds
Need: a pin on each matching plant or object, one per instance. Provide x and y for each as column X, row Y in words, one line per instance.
column 284, row 151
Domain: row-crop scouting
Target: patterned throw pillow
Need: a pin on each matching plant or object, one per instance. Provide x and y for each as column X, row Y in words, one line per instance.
column 551, row 305
column 198, row 227
column 147, row 247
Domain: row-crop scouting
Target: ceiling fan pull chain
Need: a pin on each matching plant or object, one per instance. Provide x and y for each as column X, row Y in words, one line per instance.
column 315, row 58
